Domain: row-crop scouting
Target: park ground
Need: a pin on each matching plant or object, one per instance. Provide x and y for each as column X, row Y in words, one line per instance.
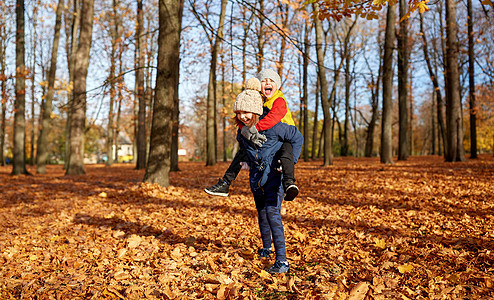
column 416, row 229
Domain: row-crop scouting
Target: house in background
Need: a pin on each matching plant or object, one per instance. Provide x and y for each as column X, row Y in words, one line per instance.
column 125, row 151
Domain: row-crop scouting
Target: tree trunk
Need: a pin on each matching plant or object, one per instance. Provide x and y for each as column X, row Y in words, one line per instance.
column 403, row 134
column 3, row 89
column 346, row 127
column 316, row 123
column 110, row 141
column 170, row 22
column 76, row 23
column 261, row 40
column 141, row 100
column 387, row 111
column 454, row 131
column 211, row 102
column 305, row 87
column 325, row 100
column 19, row 159
column 78, row 107
column 46, row 109
column 283, row 23
column 471, row 77
column 369, row 141
column 223, row 105
column 33, row 85
column 175, row 127
column 435, row 83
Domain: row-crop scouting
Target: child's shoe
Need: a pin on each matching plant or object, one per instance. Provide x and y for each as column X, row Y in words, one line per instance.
column 264, row 253
column 219, row 189
column 291, row 190
column 279, row 267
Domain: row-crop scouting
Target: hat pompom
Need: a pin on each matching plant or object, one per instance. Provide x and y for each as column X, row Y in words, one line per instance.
column 253, row 84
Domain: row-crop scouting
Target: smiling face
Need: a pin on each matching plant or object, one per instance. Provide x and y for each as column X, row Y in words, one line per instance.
column 245, row 117
column 268, row 87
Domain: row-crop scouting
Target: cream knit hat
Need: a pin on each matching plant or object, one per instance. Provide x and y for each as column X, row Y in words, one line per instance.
column 250, row 99
column 271, row 74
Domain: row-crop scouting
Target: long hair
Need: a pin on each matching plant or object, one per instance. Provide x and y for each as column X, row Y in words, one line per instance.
column 253, row 121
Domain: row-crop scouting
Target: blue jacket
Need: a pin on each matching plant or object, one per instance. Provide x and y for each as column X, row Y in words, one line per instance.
column 261, row 160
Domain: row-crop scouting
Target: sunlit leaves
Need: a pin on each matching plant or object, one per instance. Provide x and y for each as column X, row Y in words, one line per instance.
column 359, row 230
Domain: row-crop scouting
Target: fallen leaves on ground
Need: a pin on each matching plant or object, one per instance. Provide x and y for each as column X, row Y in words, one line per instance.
column 416, row 229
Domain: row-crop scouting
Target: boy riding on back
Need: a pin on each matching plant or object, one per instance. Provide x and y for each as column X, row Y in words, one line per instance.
column 277, row 111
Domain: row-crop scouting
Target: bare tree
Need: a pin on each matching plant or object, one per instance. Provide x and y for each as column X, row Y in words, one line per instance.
column 3, row 81
column 46, row 108
column 471, row 86
column 167, row 77
column 19, row 159
column 435, row 83
column 211, row 99
column 141, row 116
column 325, row 100
column 387, row 112
column 403, row 132
column 78, row 106
column 454, row 129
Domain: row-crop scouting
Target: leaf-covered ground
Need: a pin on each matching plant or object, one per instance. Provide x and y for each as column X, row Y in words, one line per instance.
column 420, row 229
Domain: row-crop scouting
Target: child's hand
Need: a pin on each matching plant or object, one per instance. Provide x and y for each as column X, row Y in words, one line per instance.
column 280, row 167
column 245, row 166
column 251, row 134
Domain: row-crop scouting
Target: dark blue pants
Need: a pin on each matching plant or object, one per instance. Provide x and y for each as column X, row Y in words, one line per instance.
column 268, row 207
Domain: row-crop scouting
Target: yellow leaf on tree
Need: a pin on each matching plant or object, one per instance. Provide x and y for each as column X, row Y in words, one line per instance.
column 103, row 195
column 423, row 7
column 405, row 268
column 378, row 2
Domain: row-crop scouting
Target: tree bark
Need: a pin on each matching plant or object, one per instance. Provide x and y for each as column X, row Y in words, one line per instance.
column 387, row 111
column 261, row 40
column 305, row 97
column 369, row 141
column 141, row 100
column 316, row 123
column 325, row 100
column 19, row 159
column 211, row 132
column 435, row 84
column 170, row 22
column 175, row 128
column 3, row 89
column 454, row 131
column 78, row 107
column 403, row 132
column 46, row 109
column 32, row 159
column 471, row 78
column 346, row 126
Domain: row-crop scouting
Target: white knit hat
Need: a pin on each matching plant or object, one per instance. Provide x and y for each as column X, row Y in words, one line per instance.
column 250, row 100
column 271, row 74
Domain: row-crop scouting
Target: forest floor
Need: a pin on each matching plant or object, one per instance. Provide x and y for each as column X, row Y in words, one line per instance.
column 416, row 229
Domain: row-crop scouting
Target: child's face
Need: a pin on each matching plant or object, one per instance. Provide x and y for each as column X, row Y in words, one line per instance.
column 245, row 117
column 268, row 87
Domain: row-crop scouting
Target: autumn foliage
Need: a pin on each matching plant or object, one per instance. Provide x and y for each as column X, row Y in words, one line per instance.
column 419, row 229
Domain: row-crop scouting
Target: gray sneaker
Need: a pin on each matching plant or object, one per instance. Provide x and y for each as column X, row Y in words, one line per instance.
column 279, row 267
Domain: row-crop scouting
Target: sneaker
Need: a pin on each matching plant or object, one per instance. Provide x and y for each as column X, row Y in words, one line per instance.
column 279, row 267
column 264, row 253
column 291, row 192
column 219, row 189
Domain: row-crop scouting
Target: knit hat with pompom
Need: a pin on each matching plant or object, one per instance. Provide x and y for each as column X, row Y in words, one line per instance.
column 250, row 100
column 271, row 74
